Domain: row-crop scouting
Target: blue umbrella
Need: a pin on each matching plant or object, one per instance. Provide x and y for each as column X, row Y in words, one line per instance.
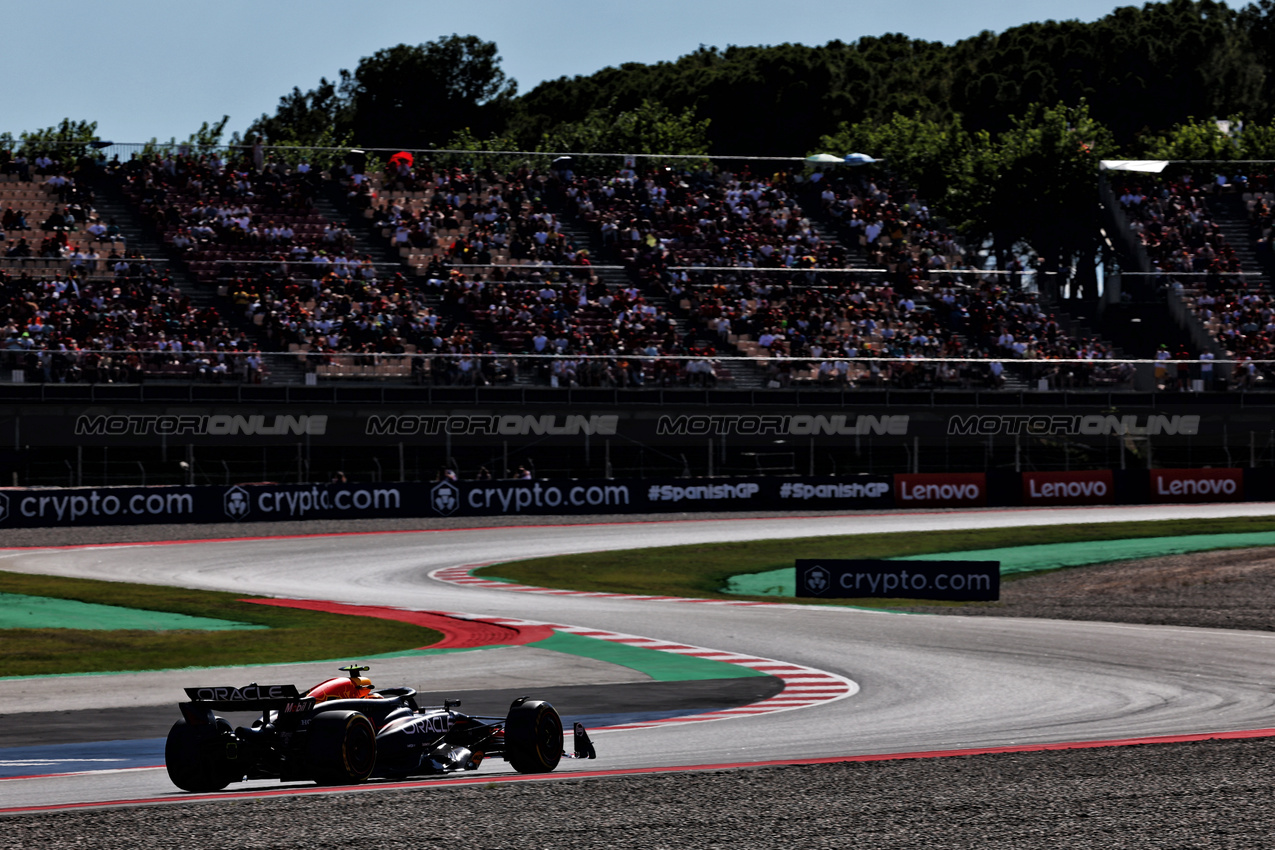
column 859, row 159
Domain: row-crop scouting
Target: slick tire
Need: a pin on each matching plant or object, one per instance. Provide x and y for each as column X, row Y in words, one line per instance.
column 533, row 736
column 342, row 748
column 195, row 757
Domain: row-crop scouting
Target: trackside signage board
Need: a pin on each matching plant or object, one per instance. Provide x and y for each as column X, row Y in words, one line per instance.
column 654, row 495
column 940, row 490
column 1197, row 485
column 1086, row 487
column 956, row 581
column 243, row 503
column 83, row 506
column 57, row 507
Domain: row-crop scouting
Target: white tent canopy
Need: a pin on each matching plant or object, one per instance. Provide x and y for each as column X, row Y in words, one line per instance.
column 1150, row 166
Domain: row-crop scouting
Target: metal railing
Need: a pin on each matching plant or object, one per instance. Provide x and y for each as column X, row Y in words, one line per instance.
column 634, row 370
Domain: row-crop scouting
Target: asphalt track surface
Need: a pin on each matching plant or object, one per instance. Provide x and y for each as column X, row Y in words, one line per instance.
column 924, row 683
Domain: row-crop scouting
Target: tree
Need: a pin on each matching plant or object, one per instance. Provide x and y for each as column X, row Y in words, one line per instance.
column 1257, row 141
column 416, row 97
column 317, row 117
column 1035, row 185
column 651, row 128
column 931, row 156
column 209, row 134
column 400, row 97
column 1193, row 140
column 68, row 140
column 490, row 153
column 1044, row 186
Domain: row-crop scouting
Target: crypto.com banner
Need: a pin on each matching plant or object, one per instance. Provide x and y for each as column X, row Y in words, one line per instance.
column 83, row 506
column 653, row 495
column 954, row 581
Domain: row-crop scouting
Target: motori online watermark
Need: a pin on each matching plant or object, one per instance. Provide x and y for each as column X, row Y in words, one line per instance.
column 791, row 425
column 216, row 425
column 508, row 425
column 1092, row 425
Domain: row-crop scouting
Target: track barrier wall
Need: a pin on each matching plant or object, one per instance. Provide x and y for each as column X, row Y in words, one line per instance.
column 268, row 502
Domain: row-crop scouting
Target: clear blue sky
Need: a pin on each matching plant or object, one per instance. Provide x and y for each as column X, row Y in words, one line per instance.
column 146, row 68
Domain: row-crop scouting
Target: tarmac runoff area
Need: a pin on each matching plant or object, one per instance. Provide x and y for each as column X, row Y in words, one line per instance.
column 433, row 676
column 110, row 721
column 87, row 721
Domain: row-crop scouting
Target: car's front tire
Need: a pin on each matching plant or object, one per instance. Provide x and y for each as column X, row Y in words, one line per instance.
column 533, row 736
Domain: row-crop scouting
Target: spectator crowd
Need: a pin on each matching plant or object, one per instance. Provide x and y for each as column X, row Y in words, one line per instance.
column 628, row 279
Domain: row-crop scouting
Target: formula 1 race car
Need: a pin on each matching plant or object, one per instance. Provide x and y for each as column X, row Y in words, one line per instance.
column 343, row 731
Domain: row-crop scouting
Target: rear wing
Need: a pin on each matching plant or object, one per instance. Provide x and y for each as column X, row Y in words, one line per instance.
column 254, row 697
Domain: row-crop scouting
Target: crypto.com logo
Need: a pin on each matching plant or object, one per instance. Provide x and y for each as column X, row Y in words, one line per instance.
column 4, row 507
column 445, row 498
column 237, row 503
column 817, row 579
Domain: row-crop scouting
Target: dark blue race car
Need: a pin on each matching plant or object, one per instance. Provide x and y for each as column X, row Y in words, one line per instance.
column 343, row 731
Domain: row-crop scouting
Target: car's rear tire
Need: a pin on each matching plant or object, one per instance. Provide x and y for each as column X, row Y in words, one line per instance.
column 533, row 736
column 195, row 756
column 342, row 748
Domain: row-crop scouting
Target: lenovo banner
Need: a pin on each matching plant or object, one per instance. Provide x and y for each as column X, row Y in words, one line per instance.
column 1086, row 487
column 1197, row 485
column 941, row 490
column 957, row 581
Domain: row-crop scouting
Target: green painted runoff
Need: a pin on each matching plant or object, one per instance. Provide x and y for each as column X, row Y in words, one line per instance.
column 659, row 666
column 1018, row 560
column 18, row 611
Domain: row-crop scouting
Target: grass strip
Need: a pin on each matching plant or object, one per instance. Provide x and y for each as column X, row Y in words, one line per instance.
column 295, row 635
column 703, row 570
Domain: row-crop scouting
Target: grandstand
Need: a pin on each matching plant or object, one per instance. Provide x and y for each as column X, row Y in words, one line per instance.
column 1205, row 246
column 170, row 276
column 357, row 273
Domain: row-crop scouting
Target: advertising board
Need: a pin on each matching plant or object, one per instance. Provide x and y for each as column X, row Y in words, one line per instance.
column 1081, row 487
column 940, row 490
column 268, row 502
column 956, row 581
column 1197, row 485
